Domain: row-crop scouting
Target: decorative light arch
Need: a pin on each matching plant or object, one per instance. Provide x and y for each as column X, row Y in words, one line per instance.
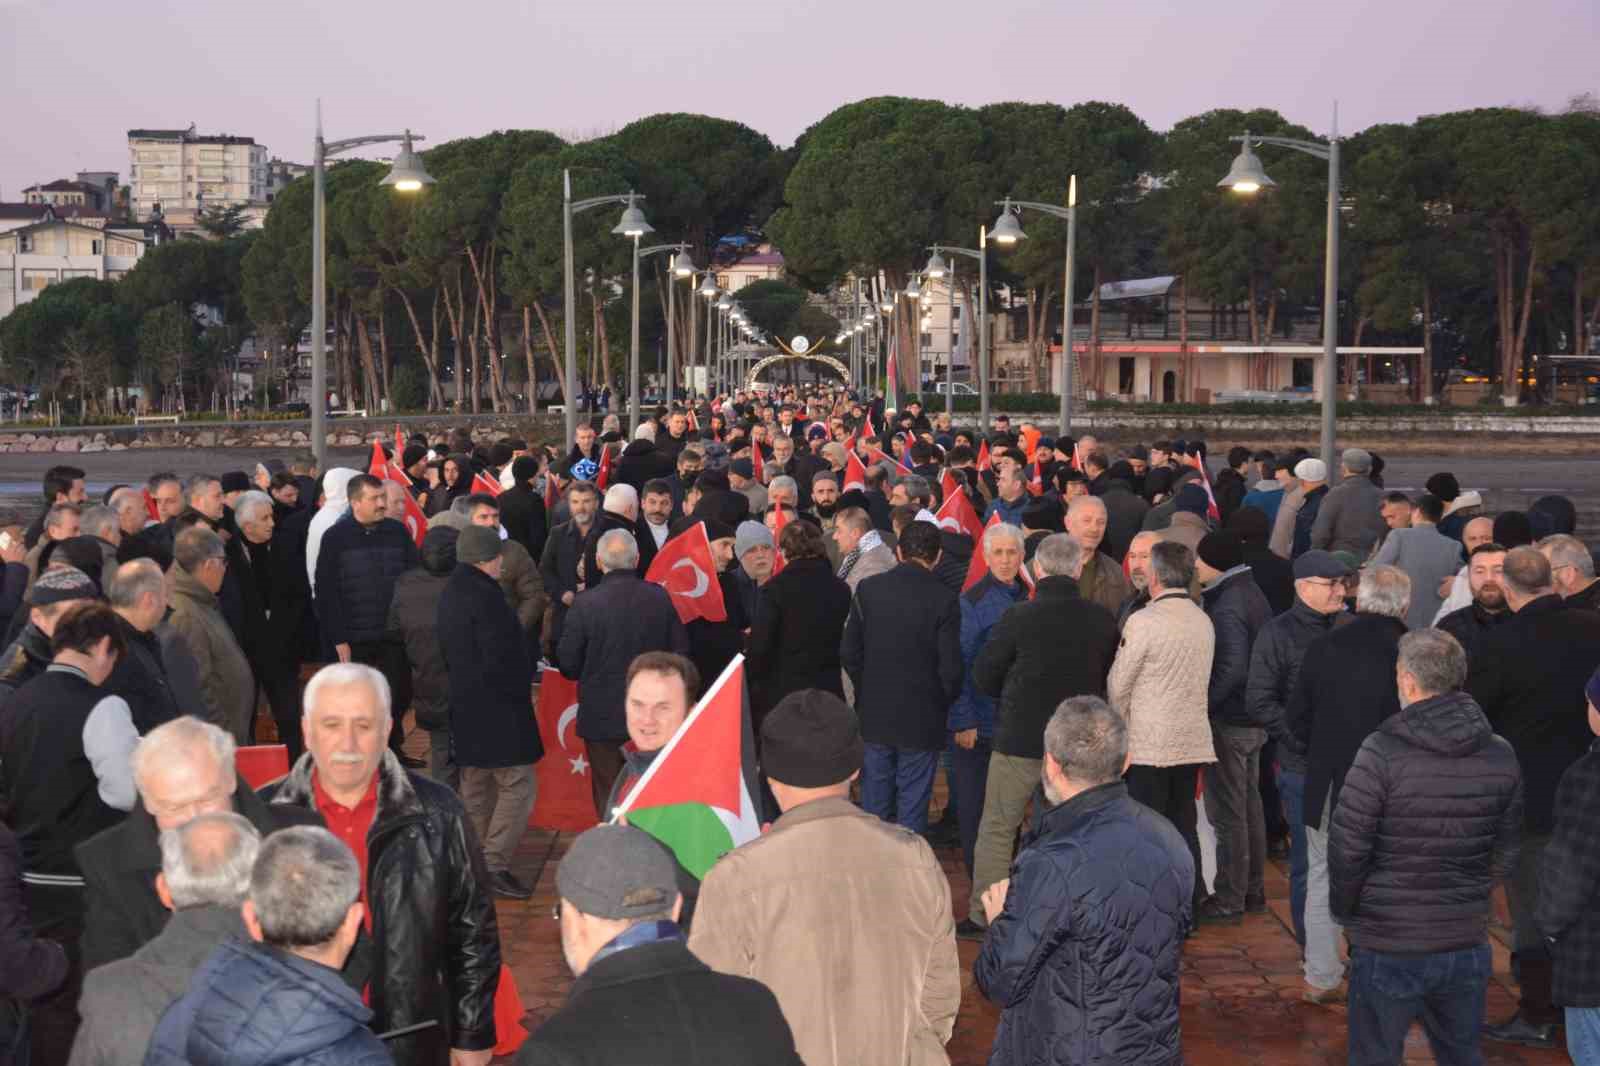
column 827, row 360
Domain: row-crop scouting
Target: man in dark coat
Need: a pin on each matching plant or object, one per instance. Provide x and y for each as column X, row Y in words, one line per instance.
column 1413, row 856
column 522, row 508
column 138, row 594
column 493, row 731
column 1345, row 690
column 181, row 769
column 610, row 624
column 619, row 909
column 1569, row 891
column 794, row 643
column 1129, row 877
column 1125, row 511
column 362, row 555
column 1529, row 676
column 1237, row 610
column 1231, row 485
column 902, row 650
column 414, row 625
column 1273, row 575
column 1487, row 611
column 435, row 938
column 563, row 555
column 641, row 462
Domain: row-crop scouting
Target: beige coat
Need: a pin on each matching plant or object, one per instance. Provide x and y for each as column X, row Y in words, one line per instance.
column 847, row 919
column 226, row 684
column 878, row 559
column 1103, row 582
column 1282, row 542
column 1186, row 529
column 1159, row 679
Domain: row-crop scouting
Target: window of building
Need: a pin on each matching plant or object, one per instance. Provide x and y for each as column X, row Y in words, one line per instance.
column 37, row 280
column 8, row 280
column 24, row 243
column 1304, row 371
column 67, row 274
column 1125, row 366
column 95, row 248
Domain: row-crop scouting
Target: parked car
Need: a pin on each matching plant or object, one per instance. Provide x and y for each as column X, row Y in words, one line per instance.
column 958, row 388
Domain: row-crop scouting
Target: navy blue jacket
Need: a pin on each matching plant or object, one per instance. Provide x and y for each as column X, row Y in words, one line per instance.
column 252, row 1005
column 356, row 570
column 981, row 608
column 1084, row 958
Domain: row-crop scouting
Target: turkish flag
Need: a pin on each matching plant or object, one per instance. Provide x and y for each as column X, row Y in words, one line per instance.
column 399, row 443
column 980, row 563
column 413, row 519
column 984, row 462
column 481, row 483
column 1036, row 483
column 757, row 465
column 684, row 568
column 1212, row 511
column 602, row 477
column 948, row 484
column 379, row 462
column 957, row 515
column 150, row 507
column 855, row 474
column 551, row 493
column 694, row 422
column 778, row 522
column 564, row 800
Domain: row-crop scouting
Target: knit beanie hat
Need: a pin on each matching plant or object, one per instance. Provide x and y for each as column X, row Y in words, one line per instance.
column 1192, row 499
column 750, row 535
column 1221, row 550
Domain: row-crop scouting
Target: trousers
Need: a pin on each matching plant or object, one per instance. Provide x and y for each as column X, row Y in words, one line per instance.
column 1445, row 989
column 1323, row 968
column 1011, row 783
column 1233, row 803
column 498, row 802
column 1169, row 791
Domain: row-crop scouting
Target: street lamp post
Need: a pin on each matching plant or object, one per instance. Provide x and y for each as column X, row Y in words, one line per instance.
column 937, row 268
column 1246, row 176
column 633, row 225
column 981, row 254
column 406, row 174
column 569, row 207
column 1008, row 232
column 681, row 266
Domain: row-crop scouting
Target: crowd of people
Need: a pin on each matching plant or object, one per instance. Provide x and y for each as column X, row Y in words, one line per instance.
column 1396, row 695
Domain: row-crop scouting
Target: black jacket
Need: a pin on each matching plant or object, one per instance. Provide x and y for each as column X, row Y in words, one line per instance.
column 23, row 661
column 1042, row 651
column 140, row 678
column 1345, row 690
column 491, row 676
column 1428, row 822
column 1274, row 576
column 1106, row 881
column 12, row 585
column 1124, row 517
column 357, row 567
column 712, row 645
column 640, row 462
column 119, row 865
column 558, row 569
column 676, row 1010
column 414, row 624
column 1237, row 610
column 1229, row 491
column 1567, row 908
column 955, row 559
column 1274, row 669
column 522, row 513
column 30, row 966
column 1470, row 624
column 609, row 625
column 795, row 643
column 1305, row 518
column 436, row 941
column 902, row 650
column 1528, row 677
column 292, row 613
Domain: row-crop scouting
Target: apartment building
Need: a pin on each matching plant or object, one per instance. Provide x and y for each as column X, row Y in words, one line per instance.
column 186, row 172
column 35, row 256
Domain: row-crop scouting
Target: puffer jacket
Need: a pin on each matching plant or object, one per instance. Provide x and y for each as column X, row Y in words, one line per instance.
column 356, row 571
column 1274, row 666
column 253, row 1005
column 981, row 608
column 1237, row 610
column 1428, row 821
column 1158, row 682
column 436, row 941
column 1062, row 973
column 414, row 624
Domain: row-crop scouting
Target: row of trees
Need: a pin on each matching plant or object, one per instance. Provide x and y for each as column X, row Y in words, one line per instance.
column 1475, row 233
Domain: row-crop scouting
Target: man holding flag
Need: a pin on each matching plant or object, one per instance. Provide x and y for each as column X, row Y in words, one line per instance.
column 875, row 916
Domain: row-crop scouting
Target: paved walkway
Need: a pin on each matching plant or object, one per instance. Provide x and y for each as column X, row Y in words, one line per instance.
column 1241, row 984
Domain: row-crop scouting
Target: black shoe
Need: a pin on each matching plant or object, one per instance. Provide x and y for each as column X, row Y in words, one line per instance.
column 1255, row 904
column 967, row 929
column 411, row 762
column 1518, row 1030
column 1211, row 913
column 505, row 884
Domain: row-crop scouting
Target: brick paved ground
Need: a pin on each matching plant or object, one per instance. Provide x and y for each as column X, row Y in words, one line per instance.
column 1241, row 985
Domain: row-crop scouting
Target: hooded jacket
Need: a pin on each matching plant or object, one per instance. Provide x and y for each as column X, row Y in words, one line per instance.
column 253, row 1005
column 1428, row 821
column 335, row 505
column 414, row 623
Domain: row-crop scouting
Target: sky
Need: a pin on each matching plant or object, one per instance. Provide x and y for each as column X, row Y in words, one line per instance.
column 84, row 74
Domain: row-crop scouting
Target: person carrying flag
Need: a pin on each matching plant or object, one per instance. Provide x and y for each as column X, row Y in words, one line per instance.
column 771, row 902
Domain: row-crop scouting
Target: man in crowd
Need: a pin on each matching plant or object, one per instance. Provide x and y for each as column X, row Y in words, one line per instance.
column 281, row 988
column 522, row 508
column 1349, row 517
column 1129, row 877
column 47, row 600
column 1137, row 566
column 1572, row 570
column 1268, row 493
column 1529, row 676
column 62, row 521
column 1488, row 610
column 1053, row 647
column 1125, row 511
column 902, row 652
column 770, row 902
column 862, row 552
column 1102, row 580
column 435, row 938
column 563, row 555
column 1280, row 649
column 1301, row 512
column 181, row 770
column 742, row 479
column 493, row 733
column 1346, row 689
column 137, row 592
column 227, row 686
column 1011, row 495
column 519, row 577
column 62, row 484
column 203, row 878
column 1412, row 858
column 619, row 914
column 1427, row 557
column 1398, row 511
column 610, row 625
column 361, row 557
column 414, row 624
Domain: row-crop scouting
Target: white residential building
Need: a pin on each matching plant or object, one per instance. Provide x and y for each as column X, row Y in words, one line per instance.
column 185, row 171
column 36, row 256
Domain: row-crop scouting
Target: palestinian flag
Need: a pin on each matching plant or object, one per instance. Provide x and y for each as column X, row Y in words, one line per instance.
column 699, row 795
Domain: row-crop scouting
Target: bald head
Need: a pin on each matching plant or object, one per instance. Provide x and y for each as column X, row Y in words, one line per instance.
column 1477, row 531
column 1086, row 522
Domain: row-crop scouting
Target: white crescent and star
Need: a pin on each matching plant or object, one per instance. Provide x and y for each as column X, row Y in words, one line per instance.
column 580, row 765
column 701, row 584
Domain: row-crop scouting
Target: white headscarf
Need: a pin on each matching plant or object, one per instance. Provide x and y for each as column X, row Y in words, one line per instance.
column 335, row 503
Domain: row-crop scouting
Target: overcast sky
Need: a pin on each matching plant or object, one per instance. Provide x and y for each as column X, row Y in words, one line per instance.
column 83, row 74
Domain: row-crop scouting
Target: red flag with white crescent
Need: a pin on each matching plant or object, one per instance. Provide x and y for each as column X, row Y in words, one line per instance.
column 150, row 507
column 757, row 464
column 855, row 474
column 685, row 568
column 948, row 484
column 958, row 516
column 394, row 472
column 1212, row 511
column 602, row 476
column 980, row 563
column 779, row 520
column 984, row 462
column 379, row 462
column 489, row 485
column 564, row 799
column 413, row 519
